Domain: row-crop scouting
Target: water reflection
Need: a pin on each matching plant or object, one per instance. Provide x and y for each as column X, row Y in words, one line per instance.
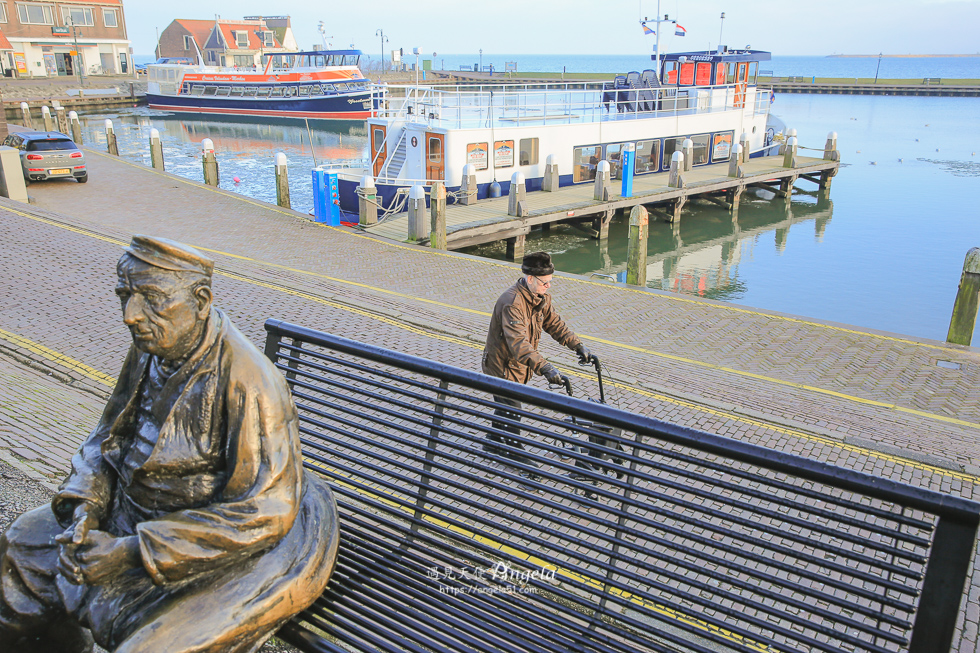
column 700, row 255
column 246, row 150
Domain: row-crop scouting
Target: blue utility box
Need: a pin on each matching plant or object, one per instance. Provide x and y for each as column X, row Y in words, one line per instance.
column 326, row 197
column 629, row 163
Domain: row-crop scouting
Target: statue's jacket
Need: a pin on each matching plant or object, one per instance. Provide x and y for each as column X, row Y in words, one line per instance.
column 223, row 483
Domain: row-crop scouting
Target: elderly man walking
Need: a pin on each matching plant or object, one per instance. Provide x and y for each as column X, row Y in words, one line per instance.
column 511, row 352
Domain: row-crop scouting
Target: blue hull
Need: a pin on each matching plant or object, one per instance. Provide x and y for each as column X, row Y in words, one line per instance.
column 351, row 106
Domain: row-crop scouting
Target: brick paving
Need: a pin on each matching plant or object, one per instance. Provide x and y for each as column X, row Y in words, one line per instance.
column 870, row 402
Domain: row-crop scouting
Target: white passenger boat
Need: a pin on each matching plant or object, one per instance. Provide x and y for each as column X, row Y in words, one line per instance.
column 431, row 133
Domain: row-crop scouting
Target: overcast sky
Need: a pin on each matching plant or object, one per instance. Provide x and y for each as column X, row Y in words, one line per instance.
column 597, row 26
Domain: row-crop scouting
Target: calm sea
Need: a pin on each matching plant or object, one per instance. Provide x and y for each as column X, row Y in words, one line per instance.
column 885, row 252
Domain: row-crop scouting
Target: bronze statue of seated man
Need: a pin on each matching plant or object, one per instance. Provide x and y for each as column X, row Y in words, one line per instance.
column 188, row 522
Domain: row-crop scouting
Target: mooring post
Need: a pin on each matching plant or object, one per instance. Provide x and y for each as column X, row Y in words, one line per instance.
column 110, row 139
column 732, row 196
column 62, row 117
column 515, row 248
column 550, row 181
column 636, row 258
column 367, row 202
column 789, row 153
column 76, row 128
column 675, row 218
column 282, row 181
column 156, row 150
column 48, row 121
column 687, row 147
column 964, row 318
column 676, row 179
column 830, row 152
column 790, row 133
column 517, row 196
column 210, row 161
column 25, row 112
column 735, row 162
column 437, row 211
column 418, row 221
column 744, row 141
column 601, row 187
column 467, row 192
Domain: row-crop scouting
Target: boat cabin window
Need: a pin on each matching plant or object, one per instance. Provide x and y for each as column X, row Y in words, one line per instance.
column 340, row 86
column 700, row 149
column 529, row 152
column 614, row 154
column 210, row 90
column 721, row 146
column 753, row 72
column 197, row 89
column 304, row 91
column 647, row 157
column 702, row 75
column 237, row 91
column 686, row 72
column 435, row 149
column 351, row 59
column 277, row 91
column 720, row 73
column 316, row 90
column 476, row 153
column 671, row 145
column 263, row 91
column 223, row 91
column 584, row 162
column 250, row 91
column 730, row 76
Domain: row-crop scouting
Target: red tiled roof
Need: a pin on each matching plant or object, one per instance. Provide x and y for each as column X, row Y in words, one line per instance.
column 254, row 42
column 4, row 43
column 199, row 29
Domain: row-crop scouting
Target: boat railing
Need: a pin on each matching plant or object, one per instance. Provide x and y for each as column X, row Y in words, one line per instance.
column 480, row 106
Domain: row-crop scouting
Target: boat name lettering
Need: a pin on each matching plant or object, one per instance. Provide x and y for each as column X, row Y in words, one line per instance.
column 699, row 57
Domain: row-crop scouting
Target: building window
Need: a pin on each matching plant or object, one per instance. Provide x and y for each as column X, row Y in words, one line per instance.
column 241, row 39
column 3, row 12
column 244, row 61
column 267, row 39
column 35, row 14
column 110, row 18
column 188, row 43
column 529, row 151
column 78, row 16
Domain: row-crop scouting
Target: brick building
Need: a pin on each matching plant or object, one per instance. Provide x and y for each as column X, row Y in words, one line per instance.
column 239, row 43
column 43, row 37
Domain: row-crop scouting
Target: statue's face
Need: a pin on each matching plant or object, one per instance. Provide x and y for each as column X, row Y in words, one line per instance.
column 163, row 311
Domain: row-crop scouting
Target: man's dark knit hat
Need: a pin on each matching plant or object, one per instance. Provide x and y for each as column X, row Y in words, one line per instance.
column 538, row 264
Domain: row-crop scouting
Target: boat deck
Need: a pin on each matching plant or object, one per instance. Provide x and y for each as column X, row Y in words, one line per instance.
column 487, row 220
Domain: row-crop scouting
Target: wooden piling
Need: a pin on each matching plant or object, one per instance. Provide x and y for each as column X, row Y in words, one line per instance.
column 76, row 128
column 965, row 307
column 210, row 162
column 110, row 139
column 515, row 247
column 636, row 258
column 48, row 121
column 601, row 186
column 282, row 181
column 62, row 118
column 517, row 195
column 550, row 181
column 789, row 153
column 746, row 146
column 25, row 113
column 467, row 191
column 437, row 210
column 156, row 150
column 676, row 179
column 735, row 162
column 830, row 152
column 367, row 202
column 687, row 147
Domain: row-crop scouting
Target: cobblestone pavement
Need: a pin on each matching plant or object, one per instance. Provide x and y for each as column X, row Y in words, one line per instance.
column 872, row 402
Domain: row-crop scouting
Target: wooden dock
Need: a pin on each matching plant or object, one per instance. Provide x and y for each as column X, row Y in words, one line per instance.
column 487, row 220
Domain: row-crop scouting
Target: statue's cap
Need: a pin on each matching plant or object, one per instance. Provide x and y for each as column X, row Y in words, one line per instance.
column 169, row 255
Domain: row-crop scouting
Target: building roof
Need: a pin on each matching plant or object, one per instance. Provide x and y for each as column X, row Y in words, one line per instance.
column 254, row 42
column 4, row 43
column 199, row 29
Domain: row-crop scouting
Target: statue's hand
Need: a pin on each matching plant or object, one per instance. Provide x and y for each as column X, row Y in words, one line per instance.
column 104, row 557
column 83, row 521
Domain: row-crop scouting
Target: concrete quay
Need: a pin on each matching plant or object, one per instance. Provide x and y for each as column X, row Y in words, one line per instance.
column 869, row 401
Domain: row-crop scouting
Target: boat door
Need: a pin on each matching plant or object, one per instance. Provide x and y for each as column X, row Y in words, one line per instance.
column 435, row 159
column 379, row 148
column 741, row 81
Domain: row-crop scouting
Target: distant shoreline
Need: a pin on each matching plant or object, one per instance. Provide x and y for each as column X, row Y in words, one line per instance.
column 898, row 56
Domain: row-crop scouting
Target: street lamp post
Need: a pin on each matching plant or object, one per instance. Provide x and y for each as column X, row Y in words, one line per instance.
column 381, row 33
column 481, row 60
column 78, row 56
column 878, row 68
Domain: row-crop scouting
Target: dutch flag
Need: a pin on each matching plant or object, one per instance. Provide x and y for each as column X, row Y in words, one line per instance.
column 679, row 30
column 647, row 30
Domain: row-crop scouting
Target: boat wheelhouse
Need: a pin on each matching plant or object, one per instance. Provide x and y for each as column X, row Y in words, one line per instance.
column 324, row 84
column 430, row 134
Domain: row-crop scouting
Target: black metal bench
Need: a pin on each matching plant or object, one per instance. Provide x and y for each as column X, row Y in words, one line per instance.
column 700, row 543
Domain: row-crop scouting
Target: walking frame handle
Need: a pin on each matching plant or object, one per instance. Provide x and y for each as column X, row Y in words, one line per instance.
column 594, row 361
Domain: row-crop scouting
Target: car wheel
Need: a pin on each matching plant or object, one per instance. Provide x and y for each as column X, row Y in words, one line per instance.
column 82, row 180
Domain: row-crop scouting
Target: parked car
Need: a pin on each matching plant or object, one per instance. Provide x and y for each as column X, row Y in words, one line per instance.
column 48, row 155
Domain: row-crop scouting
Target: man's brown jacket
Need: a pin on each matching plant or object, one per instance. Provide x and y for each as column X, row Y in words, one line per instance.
column 515, row 329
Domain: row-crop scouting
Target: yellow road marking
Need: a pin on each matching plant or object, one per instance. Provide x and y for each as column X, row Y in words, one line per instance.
column 661, row 397
column 432, row 252
column 57, row 357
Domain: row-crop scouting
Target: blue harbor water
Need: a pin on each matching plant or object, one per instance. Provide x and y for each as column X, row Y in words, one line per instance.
column 885, row 252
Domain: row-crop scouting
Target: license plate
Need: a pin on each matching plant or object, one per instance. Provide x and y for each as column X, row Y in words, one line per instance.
column 59, row 171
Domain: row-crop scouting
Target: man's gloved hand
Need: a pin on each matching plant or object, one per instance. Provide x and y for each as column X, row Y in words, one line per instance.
column 551, row 373
column 584, row 355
